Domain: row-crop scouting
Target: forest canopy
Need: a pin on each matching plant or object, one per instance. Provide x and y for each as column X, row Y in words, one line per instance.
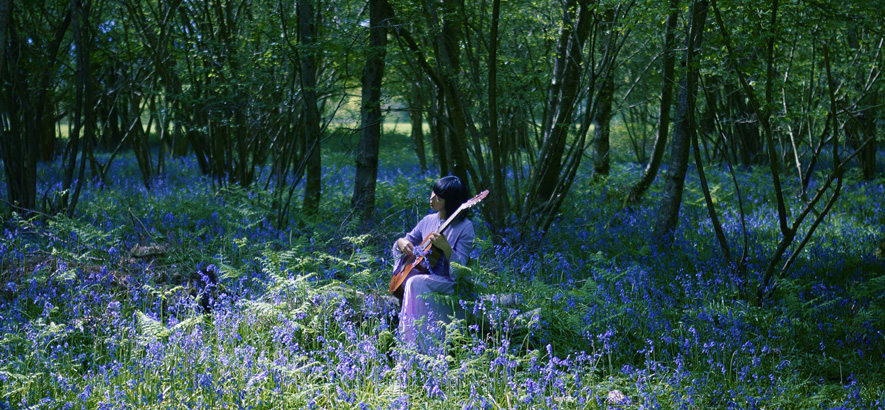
column 516, row 97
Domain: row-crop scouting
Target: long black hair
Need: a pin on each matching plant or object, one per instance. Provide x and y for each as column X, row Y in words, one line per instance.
column 453, row 192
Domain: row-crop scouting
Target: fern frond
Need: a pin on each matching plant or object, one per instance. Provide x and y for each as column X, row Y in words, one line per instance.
column 189, row 323
column 229, row 272
column 261, row 309
column 151, row 328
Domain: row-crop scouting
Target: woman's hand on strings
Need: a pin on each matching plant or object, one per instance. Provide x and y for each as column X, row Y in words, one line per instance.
column 406, row 247
column 439, row 240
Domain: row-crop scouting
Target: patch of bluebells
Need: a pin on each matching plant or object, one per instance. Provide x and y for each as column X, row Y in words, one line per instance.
column 650, row 325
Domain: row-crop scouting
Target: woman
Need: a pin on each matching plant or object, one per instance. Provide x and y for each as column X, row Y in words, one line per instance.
column 455, row 244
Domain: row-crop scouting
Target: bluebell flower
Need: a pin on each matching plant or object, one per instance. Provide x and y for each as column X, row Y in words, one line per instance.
column 422, row 254
column 85, row 394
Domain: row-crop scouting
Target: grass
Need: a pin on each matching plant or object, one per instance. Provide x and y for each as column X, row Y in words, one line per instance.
column 103, row 310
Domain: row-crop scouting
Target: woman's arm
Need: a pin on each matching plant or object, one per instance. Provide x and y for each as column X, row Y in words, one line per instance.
column 463, row 237
column 407, row 243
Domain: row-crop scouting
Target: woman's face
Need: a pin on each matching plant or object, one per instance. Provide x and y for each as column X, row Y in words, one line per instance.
column 436, row 203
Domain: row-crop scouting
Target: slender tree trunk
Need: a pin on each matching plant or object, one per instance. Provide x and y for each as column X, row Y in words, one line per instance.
column 685, row 126
column 602, row 120
column 9, row 143
column 18, row 150
column 139, row 138
column 561, row 102
column 5, row 12
column 439, row 133
column 27, row 108
column 669, row 63
column 84, row 114
column 163, row 121
column 69, row 159
column 708, row 199
column 307, row 20
column 416, row 118
column 602, row 131
column 448, row 51
column 499, row 202
column 746, row 129
column 370, row 128
column 860, row 132
column 861, row 127
column 790, row 231
column 867, row 123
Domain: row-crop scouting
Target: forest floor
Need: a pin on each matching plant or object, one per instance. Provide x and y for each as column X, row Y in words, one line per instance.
column 188, row 296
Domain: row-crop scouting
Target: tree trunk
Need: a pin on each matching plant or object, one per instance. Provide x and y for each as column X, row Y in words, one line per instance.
column 499, row 202
column 439, row 133
column 745, row 126
column 861, row 127
column 10, row 130
column 138, row 136
column 84, row 113
column 867, row 121
column 669, row 63
column 307, row 31
column 5, row 11
column 24, row 101
column 708, row 199
column 860, row 132
column 561, row 103
column 448, row 51
column 684, row 128
column 416, row 118
column 363, row 200
column 17, row 147
column 602, row 120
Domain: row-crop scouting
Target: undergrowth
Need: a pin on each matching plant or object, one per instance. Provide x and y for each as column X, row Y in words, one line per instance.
column 117, row 307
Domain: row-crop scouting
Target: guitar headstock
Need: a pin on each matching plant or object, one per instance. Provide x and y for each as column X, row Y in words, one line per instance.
column 475, row 200
column 467, row 204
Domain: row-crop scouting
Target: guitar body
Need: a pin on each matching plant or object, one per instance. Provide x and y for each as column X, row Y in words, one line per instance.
column 415, row 265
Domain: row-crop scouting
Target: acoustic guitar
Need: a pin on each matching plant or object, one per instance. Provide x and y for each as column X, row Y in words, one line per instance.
column 426, row 255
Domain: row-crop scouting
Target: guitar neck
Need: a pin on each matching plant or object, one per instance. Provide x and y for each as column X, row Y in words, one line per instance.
column 449, row 220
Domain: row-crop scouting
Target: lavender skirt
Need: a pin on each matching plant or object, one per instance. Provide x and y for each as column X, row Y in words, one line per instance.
column 422, row 316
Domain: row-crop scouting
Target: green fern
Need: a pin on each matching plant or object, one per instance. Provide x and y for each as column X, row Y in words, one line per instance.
column 261, row 309
column 151, row 328
column 84, row 242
